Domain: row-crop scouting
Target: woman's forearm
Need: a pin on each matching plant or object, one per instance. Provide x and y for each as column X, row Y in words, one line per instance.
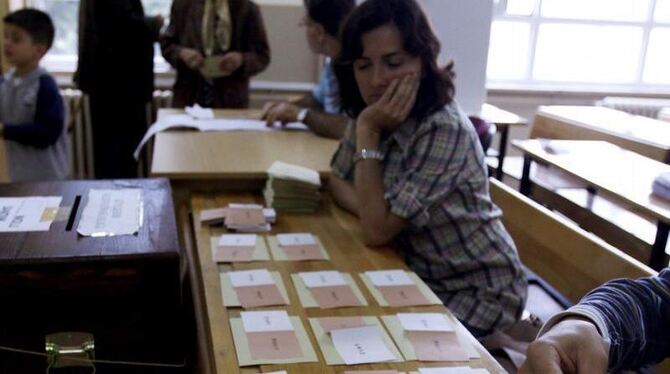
column 344, row 194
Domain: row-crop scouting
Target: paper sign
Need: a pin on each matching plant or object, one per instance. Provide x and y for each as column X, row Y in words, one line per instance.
column 337, row 323
column 256, row 296
column 246, row 278
column 273, row 345
column 111, row 212
column 323, row 279
column 397, row 296
column 265, row 321
column 335, row 297
column 244, row 217
column 424, row 322
column 361, row 345
column 298, row 239
column 389, row 278
column 28, row 213
column 436, row 346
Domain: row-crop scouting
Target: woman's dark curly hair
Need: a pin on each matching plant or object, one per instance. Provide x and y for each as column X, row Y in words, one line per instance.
column 437, row 87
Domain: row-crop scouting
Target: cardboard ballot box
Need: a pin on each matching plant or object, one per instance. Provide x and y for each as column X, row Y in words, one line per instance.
column 125, row 290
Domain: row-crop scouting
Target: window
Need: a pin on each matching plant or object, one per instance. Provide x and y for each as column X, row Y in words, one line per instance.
column 581, row 44
column 65, row 14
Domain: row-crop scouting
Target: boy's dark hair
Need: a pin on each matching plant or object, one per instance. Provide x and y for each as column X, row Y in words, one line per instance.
column 37, row 23
column 329, row 13
column 436, row 87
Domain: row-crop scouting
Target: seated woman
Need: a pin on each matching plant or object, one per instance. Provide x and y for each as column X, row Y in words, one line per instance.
column 411, row 167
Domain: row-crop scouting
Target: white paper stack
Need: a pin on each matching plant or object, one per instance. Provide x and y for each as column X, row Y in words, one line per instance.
column 292, row 188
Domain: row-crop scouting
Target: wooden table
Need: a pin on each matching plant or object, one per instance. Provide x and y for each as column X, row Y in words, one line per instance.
column 503, row 121
column 123, row 289
column 214, row 159
column 621, row 174
column 340, row 234
column 646, row 136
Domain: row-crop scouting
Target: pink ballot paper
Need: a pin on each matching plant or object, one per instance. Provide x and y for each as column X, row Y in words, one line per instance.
column 329, row 289
column 329, row 324
column 244, row 217
column 300, row 247
column 270, row 335
column 255, row 288
column 432, row 336
column 236, row 248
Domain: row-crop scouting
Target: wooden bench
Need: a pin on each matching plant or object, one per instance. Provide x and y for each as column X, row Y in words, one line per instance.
column 570, row 259
column 606, row 218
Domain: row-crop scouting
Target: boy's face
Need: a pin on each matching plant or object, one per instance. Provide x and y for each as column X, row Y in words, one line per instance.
column 20, row 49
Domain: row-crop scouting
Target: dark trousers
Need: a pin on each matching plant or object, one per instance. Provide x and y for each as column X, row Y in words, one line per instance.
column 118, row 124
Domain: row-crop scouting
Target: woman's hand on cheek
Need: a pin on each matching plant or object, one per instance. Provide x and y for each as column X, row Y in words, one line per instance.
column 394, row 107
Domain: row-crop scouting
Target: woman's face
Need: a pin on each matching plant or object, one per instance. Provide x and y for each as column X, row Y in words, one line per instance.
column 383, row 60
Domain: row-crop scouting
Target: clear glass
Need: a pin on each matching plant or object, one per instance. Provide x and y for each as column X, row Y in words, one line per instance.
column 520, row 7
column 606, row 10
column 508, row 50
column 657, row 62
column 587, row 53
column 65, row 16
column 662, row 11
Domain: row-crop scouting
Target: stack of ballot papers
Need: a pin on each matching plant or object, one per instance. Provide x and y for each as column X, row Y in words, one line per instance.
column 292, row 188
column 661, row 185
column 217, row 216
column 247, row 218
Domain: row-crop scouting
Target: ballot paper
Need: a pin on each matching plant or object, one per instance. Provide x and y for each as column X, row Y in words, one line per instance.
column 425, row 322
column 111, row 212
column 382, row 278
column 211, row 67
column 323, row 279
column 248, row 278
column 266, row 321
column 216, row 124
column 296, row 239
column 236, row 248
column 361, row 345
column 283, row 170
column 28, row 213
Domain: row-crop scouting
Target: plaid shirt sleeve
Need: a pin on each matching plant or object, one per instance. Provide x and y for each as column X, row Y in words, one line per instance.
column 342, row 163
column 440, row 156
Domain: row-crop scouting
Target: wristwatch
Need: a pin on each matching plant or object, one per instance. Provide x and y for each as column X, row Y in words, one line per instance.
column 302, row 114
column 368, row 154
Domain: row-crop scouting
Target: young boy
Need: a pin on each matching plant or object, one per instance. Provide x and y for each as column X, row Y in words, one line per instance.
column 31, row 108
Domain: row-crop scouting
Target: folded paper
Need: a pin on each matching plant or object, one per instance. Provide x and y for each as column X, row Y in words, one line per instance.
column 297, row 252
column 328, row 296
column 402, row 294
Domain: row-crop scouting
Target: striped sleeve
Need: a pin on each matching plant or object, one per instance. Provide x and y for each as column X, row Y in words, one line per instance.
column 634, row 315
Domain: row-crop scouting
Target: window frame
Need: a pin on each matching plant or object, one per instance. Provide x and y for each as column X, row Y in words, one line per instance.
column 536, row 19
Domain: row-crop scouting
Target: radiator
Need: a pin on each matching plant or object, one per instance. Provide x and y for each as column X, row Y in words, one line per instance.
column 636, row 105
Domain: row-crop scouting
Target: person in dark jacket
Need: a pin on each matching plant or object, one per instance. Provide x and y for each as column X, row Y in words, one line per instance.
column 216, row 46
column 115, row 69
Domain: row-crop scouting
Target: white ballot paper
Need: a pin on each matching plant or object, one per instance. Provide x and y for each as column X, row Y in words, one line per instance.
column 282, row 170
column 28, row 213
column 383, row 278
column 424, row 322
column 323, row 279
column 265, row 321
column 111, row 212
column 238, row 240
column 287, row 240
column 247, row 278
column 361, row 345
